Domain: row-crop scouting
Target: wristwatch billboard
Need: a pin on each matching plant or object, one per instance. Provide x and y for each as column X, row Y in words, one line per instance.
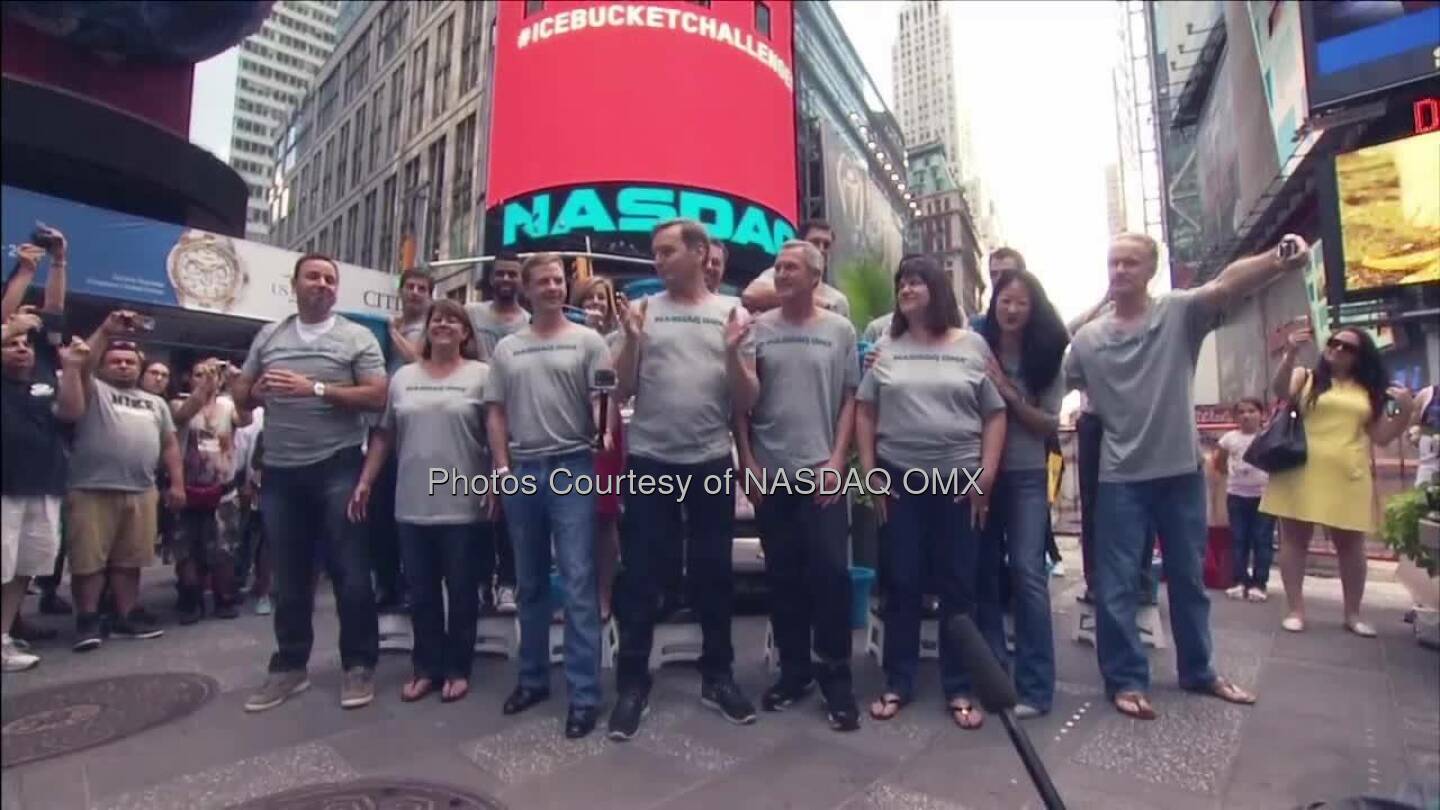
column 206, row 272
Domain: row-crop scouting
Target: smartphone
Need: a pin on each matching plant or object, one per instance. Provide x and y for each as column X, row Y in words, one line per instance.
column 53, row 325
column 605, row 380
column 575, row 314
column 140, row 323
column 1288, row 248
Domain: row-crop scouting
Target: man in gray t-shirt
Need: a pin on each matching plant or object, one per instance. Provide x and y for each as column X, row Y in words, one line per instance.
column 316, row 373
column 500, row 314
column 111, row 518
column 1137, row 364
column 682, row 362
column 541, row 421
column 801, row 425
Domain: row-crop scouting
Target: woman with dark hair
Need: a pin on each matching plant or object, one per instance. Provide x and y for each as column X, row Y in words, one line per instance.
column 1342, row 404
column 435, row 419
column 1027, row 339
column 926, row 411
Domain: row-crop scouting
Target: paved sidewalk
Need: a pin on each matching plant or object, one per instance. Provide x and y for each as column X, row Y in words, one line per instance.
column 1338, row 716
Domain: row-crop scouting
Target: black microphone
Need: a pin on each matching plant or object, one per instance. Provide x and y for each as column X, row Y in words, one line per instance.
column 997, row 695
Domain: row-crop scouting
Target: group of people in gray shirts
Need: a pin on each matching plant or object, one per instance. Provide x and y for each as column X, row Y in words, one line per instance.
column 498, row 393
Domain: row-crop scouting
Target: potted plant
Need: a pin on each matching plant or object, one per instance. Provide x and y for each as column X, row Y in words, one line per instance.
column 1402, row 529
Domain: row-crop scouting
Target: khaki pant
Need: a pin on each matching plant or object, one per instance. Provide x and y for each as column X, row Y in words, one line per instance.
column 107, row 529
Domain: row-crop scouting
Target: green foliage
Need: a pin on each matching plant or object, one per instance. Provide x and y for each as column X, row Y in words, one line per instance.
column 1402, row 525
column 869, row 285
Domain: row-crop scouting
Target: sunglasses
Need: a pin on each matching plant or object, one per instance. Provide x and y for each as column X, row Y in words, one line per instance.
column 1341, row 346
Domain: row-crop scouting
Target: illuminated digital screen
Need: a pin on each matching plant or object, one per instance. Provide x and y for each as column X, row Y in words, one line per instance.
column 607, row 115
column 1389, row 204
column 1356, row 48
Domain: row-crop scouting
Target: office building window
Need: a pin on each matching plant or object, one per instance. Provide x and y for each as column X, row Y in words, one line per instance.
column 342, row 161
column 409, row 193
column 470, row 48
column 327, row 175
column 323, row 239
column 397, row 109
column 534, row 7
column 392, row 28
column 435, row 198
column 762, row 18
column 377, row 126
column 357, row 67
column 462, row 194
column 367, row 232
column 386, row 259
column 417, row 90
column 352, row 232
column 329, row 98
column 443, row 43
column 358, row 156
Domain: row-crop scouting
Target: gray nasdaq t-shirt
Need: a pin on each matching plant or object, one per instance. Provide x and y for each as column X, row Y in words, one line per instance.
column 490, row 327
column 805, row 371
column 118, row 440
column 682, row 398
column 931, row 401
column 1141, row 385
column 1025, row 450
column 878, row 328
column 437, row 423
column 544, row 384
column 306, row 429
column 826, row 296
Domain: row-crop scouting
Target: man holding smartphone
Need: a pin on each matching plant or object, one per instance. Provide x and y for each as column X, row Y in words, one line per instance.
column 541, row 429
column 1137, row 363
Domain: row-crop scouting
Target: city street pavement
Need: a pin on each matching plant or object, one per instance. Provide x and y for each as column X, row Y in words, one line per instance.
column 1338, row 716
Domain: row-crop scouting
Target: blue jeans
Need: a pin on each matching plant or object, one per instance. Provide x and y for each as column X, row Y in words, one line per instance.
column 567, row 520
column 305, row 523
column 1019, row 517
column 921, row 528
column 1175, row 506
column 1254, row 536
column 442, row 564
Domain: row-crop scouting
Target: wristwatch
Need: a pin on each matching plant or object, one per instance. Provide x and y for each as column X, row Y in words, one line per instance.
column 502, row 471
column 319, row 389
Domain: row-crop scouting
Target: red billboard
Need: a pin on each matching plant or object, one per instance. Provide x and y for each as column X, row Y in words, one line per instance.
column 646, row 108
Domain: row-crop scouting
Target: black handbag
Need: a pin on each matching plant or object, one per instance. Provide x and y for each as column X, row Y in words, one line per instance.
column 1280, row 445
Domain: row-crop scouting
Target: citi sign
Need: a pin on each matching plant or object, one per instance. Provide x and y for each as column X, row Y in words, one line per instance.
column 638, row 209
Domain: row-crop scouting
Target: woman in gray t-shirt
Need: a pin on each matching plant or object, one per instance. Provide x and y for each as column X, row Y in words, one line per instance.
column 928, row 416
column 1027, row 336
column 434, row 421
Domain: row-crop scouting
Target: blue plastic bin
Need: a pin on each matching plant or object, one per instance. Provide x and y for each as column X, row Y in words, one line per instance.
column 861, row 581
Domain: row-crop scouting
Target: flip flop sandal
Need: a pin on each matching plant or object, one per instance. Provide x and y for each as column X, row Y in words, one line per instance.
column 962, row 712
column 452, row 697
column 408, row 693
column 1227, row 691
column 1139, row 706
column 888, row 700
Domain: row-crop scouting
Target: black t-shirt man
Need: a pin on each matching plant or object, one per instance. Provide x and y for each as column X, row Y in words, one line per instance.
column 35, row 455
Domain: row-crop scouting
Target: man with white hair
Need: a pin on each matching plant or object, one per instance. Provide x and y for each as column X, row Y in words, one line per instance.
column 808, row 370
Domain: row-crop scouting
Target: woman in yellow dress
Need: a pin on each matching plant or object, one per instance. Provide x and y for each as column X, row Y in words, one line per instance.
column 1342, row 405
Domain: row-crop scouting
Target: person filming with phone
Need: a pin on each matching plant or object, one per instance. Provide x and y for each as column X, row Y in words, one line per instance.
column 1342, row 404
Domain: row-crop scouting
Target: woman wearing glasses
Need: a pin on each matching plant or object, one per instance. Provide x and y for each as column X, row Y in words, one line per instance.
column 434, row 418
column 1342, row 404
column 928, row 408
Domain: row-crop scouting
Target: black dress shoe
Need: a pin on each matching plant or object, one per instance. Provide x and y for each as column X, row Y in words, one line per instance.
column 580, row 721
column 523, row 698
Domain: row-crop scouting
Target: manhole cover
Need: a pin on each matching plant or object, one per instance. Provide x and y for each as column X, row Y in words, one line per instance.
column 64, row 719
column 374, row 794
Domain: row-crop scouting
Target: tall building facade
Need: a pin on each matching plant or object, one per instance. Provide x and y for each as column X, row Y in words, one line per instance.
column 277, row 66
column 383, row 165
column 944, row 225
column 1133, row 177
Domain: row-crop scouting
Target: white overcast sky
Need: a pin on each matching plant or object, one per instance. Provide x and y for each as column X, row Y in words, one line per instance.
column 1036, row 78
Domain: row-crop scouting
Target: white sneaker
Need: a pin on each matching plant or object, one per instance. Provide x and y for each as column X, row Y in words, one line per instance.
column 505, row 599
column 15, row 660
column 1257, row 595
column 1236, row 592
column 1024, row 711
column 264, row 607
column 1058, row 570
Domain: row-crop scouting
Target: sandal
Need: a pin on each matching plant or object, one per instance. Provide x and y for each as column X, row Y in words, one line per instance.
column 417, row 689
column 1361, row 629
column 889, row 705
column 1293, row 624
column 455, row 689
column 966, row 714
column 1135, row 705
column 1227, row 691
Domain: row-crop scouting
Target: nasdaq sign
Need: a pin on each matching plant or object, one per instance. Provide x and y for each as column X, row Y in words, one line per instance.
column 620, row 208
